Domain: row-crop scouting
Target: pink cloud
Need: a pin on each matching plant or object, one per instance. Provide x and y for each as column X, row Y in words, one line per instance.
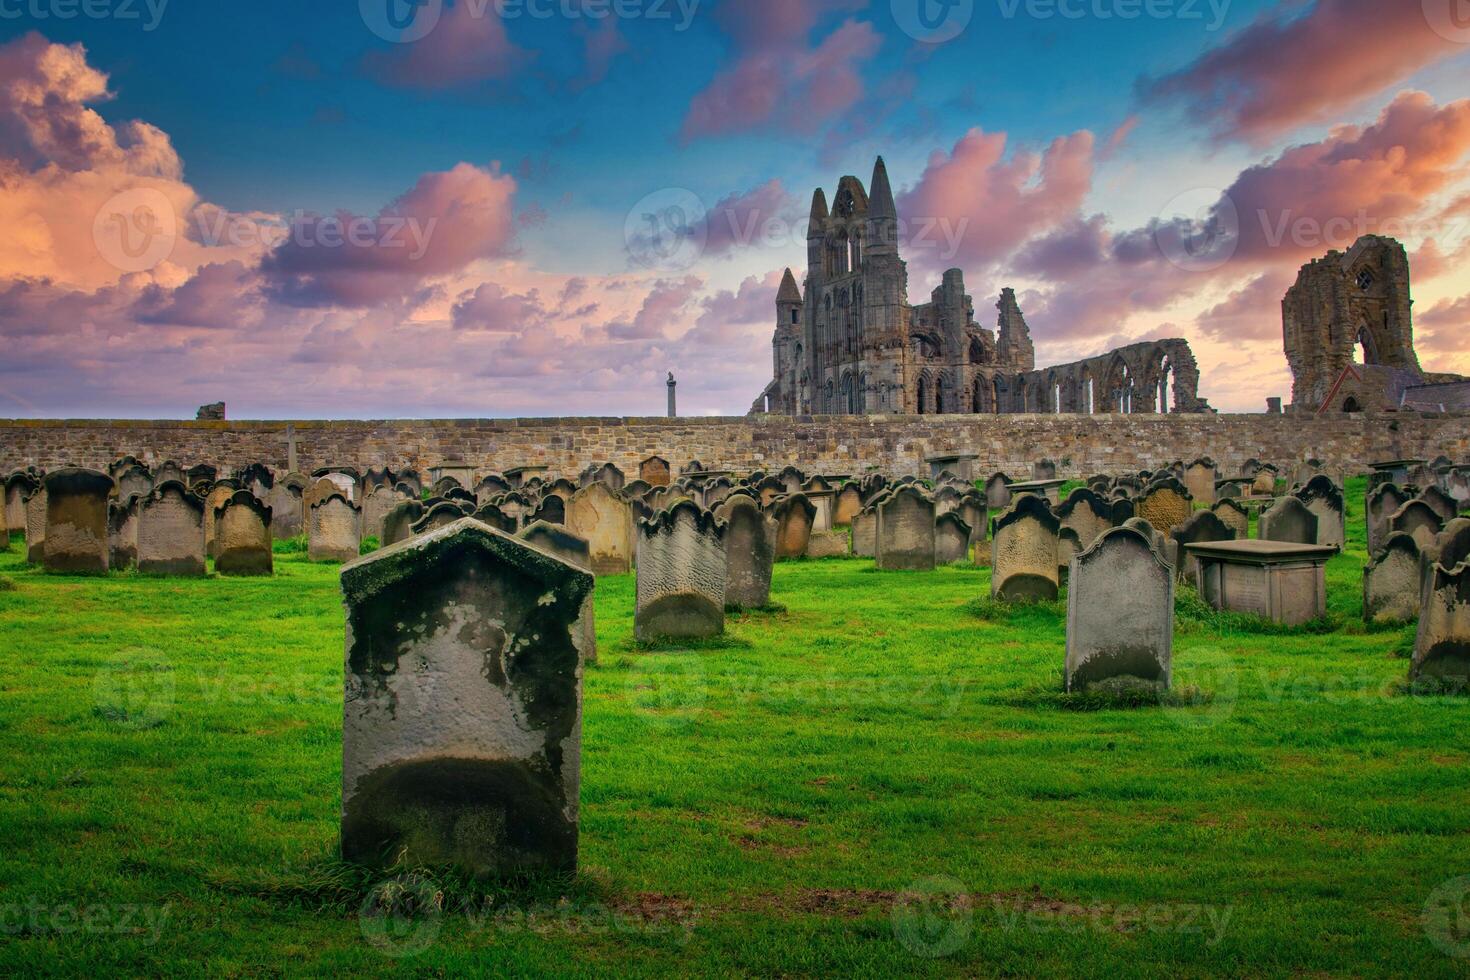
column 739, row 220
column 1252, row 312
column 777, row 79
column 446, row 221
column 663, row 309
column 490, row 307
column 992, row 202
column 1294, row 66
column 468, row 46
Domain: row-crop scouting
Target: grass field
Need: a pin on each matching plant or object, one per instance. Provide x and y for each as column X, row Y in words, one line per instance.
column 881, row 780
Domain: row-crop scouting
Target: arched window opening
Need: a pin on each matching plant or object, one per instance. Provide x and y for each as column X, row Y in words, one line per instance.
column 922, row 392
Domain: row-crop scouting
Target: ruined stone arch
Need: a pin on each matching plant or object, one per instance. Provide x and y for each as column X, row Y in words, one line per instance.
column 942, row 403
column 921, row 391
column 982, row 396
column 1118, row 388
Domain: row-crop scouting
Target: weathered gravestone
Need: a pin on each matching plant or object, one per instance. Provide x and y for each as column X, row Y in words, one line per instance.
column 681, row 575
column 492, row 514
column 750, row 550
column 605, row 521
column 1442, row 645
column 36, row 524
column 1418, row 520
column 122, row 533
column 1166, row 504
column 972, row 511
column 551, row 510
column 133, row 480
column 1023, row 552
column 609, row 476
column 951, row 539
column 998, row 492
column 288, row 509
column 491, row 485
column 214, row 499
column 1391, row 582
column 865, row 532
column 1199, row 480
column 331, row 529
column 18, row 486
column 447, row 512
column 846, row 505
column 242, row 536
column 1441, row 503
column 1203, row 526
column 76, row 521
column 1234, row 516
column 795, row 517
column 1086, row 513
column 462, row 715
column 398, row 523
column 905, row 531
column 1264, row 484
column 171, row 531
column 1288, row 520
column 558, row 541
column 654, row 471
column 376, row 505
column 1381, row 503
column 1324, row 499
column 1120, row 613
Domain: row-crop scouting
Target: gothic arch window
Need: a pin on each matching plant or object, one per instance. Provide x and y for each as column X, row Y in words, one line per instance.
column 795, row 316
column 939, row 397
column 1351, row 405
column 1365, row 279
column 827, row 391
column 922, row 392
column 1002, row 394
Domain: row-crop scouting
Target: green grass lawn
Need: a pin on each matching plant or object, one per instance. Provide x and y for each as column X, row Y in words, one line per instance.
column 881, row 780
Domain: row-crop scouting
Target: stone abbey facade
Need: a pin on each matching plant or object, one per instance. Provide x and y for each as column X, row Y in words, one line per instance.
column 1348, row 329
column 849, row 342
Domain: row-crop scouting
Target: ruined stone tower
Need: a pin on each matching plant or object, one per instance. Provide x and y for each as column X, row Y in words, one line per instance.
column 849, row 343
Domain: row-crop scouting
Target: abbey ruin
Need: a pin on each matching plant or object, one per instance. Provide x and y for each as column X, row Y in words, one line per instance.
column 1348, row 331
column 849, row 342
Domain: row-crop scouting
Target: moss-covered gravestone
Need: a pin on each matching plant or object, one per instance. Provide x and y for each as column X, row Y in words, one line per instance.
column 951, row 539
column 1392, row 581
column 461, row 741
column 796, row 518
column 35, row 504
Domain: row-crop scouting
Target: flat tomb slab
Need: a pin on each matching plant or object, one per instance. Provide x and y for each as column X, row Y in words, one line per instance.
column 1276, row 580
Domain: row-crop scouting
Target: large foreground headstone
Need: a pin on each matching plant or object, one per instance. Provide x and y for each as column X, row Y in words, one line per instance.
column 171, row 531
column 1024, row 550
column 681, row 575
column 76, row 521
column 1120, row 612
column 462, row 721
column 1391, row 582
column 242, row 536
column 331, row 529
column 906, row 531
column 605, row 521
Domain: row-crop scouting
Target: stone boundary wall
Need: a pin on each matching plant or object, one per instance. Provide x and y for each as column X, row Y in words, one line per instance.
column 1079, row 444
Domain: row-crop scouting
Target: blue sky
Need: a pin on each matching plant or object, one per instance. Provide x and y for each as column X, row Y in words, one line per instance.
column 280, row 109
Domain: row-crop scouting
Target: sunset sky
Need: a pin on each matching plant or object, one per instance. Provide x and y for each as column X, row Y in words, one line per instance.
column 292, row 208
